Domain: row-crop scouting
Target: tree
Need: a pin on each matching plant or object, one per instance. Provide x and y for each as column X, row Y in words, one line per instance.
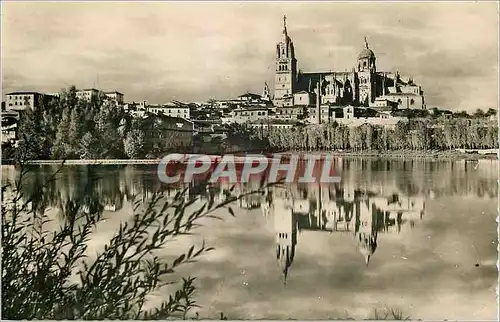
column 461, row 114
column 479, row 113
column 355, row 138
column 30, row 133
column 75, row 132
column 61, row 147
column 134, row 144
column 490, row 112
column 89, row 147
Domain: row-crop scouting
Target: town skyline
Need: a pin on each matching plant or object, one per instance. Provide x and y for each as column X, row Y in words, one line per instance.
column 130, row 47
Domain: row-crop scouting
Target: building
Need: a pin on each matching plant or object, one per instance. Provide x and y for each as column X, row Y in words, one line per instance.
column 318, row 209
column 250, row 98
column 228, row 103
column 88, row 94
column 274, row 124
column 359, row 87
column 175, row 132
column 9, row 132
column 171, row 110
column 115, row 96
column 289, row 113
column 266, row 93
column 246, row 114
column 19, row 101
column 357, row 116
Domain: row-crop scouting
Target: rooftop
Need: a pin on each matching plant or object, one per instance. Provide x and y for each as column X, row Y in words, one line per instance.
column 252, row 95
column 253, row 108
column 22, row 93
column 400, row 94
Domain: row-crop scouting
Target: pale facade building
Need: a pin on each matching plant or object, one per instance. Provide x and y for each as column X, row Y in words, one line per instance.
column 115, row 96
column 172, row 110
column 19, row 101
column 246, row 115
column 88, row 94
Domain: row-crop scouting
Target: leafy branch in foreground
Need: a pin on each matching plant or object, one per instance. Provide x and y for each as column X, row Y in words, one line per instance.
column 50, row 273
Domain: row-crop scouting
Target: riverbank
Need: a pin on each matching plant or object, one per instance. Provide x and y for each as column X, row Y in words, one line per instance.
column 400, row 154
column 410, row 154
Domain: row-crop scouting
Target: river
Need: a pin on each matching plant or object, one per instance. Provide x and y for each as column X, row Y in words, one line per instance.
column 416, row 235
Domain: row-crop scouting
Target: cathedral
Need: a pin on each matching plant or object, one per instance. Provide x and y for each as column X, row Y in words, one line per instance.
column 363, row 86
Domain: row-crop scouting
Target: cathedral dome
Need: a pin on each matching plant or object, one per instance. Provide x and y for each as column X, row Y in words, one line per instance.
column 366, row 53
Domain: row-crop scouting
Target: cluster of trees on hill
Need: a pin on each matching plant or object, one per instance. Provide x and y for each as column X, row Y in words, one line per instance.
column 71, row 128
column 414, row 135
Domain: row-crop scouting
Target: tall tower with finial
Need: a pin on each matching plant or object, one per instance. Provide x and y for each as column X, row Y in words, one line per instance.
column 366, row 229
column 286, row 234
column 286, row 70
column 266, row 95
column 366, row 73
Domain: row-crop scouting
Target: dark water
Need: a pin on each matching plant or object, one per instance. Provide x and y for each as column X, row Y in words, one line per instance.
column 419, row 236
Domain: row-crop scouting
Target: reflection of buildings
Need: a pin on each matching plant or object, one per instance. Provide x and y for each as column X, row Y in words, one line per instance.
column 335, row 209
column 329, row 208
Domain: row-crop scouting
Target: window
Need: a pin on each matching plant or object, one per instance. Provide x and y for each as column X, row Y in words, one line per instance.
column 412, row 101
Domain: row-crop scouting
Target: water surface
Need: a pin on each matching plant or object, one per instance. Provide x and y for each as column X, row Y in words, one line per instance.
column 417, row 235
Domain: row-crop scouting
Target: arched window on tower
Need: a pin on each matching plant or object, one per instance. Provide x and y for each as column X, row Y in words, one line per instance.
column 364, row 63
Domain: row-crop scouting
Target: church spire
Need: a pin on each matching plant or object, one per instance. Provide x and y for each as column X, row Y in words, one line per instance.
column 284, row 23
column 366, row 43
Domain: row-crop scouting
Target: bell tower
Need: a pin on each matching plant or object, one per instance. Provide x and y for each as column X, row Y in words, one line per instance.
column 367, row 75
column 285, row 226
column 286, row 70
column 365, row 231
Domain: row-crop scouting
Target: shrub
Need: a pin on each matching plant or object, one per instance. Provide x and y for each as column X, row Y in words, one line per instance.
column 48, row 274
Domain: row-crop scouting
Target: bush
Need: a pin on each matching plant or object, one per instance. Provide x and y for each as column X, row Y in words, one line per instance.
column 48, row 275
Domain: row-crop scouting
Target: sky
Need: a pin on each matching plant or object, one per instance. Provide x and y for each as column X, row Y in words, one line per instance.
column 193, row 51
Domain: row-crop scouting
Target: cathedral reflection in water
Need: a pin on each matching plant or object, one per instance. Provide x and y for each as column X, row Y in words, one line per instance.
column 335, row 209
